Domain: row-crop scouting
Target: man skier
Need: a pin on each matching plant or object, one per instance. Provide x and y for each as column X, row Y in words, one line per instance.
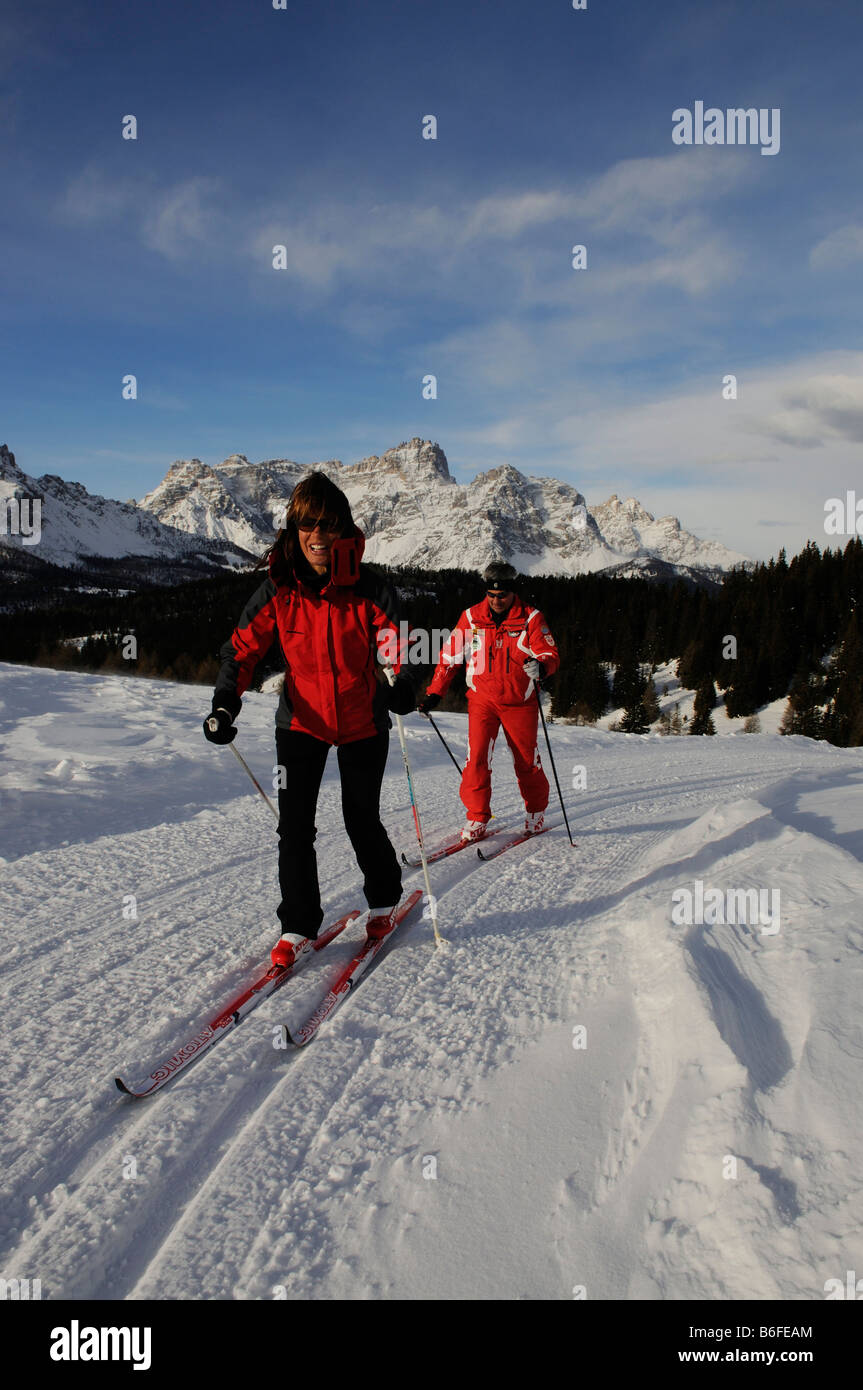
column 507, row 648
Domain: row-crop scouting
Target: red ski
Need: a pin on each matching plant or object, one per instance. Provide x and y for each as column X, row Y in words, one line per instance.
column 210, row 1031
column 448, row 847
column 511, row 842
column 351, row 973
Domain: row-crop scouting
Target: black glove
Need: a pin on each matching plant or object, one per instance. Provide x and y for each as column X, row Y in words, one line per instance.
column 219, row 727
column 428, row 703
column 400, row 696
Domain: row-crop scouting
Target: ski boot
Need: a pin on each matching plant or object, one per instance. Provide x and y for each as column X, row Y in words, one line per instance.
column 474, row 830
column 289, row 948
column 380, row 922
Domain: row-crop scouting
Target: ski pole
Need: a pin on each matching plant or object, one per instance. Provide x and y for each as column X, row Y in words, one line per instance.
column 439, row 940
column 214, row 724
column 444, row 742
column 553, row 768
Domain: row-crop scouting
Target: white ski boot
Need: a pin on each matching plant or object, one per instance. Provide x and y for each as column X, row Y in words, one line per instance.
column 474, row 830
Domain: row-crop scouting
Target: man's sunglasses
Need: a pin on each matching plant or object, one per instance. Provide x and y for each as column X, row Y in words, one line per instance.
column 498, row 593
column 330, row 524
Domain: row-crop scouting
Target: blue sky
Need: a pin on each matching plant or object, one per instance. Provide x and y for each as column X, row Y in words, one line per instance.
column 407, row 256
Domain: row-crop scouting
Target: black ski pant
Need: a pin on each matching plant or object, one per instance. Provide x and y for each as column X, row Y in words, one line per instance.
column 361, row 766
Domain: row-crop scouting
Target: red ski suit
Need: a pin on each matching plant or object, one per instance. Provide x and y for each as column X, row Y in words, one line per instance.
column 499, row 693
column 329, row 637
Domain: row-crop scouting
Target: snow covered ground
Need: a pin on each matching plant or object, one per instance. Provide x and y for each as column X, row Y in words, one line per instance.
column 579, row 1094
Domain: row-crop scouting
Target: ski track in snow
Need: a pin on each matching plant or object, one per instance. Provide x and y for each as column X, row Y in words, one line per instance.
column 267, row 1173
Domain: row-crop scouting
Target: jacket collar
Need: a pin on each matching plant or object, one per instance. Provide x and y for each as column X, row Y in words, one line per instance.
column 345, row 562
column 344, row 566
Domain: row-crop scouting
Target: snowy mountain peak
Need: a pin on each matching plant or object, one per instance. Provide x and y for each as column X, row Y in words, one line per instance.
column 415, row 460
column 9, row 470
column 503, row 474
column 77, row 525
column 410, row 508
column 413, row 512
column 631, row 507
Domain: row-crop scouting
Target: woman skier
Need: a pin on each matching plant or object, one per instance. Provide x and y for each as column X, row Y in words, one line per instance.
column 507, row 649
column 331, row 617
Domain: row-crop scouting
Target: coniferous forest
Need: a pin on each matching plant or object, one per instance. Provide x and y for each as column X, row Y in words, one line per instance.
column 784, row 628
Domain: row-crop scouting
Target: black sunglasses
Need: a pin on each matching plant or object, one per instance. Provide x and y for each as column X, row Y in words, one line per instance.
column 330, row 524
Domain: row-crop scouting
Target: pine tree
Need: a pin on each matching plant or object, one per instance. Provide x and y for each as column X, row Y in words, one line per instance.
column 842, row 720
column 705, row 699
column 691, row 667
column 649, row 702
column 581, row 713
column 802, row 713
column 627, row 685
column 742, row 693
column 633, row 720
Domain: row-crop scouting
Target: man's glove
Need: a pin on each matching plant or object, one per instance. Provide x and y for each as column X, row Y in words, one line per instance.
column 533, row 669
column 400, row 696
column 427, row 704
column 219, row 727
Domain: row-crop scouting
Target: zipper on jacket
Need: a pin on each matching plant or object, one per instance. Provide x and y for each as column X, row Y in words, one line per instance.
column 331, row 656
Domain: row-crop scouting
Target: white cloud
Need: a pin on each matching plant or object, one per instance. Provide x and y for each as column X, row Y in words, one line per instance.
column 649, row 188
column 91, row 197
column 819, row 408
column 185, row 219
column 510, row 215
column 737, row 470
column 339, row 249
column 704, row 268
column 839, row 249
column 179, row 220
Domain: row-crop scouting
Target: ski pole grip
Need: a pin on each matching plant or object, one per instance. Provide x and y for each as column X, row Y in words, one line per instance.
column 390, row 674
column 212, row 723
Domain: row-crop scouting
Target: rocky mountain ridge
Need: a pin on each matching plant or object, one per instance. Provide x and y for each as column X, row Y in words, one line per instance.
column 413, row 512
column 76, row 526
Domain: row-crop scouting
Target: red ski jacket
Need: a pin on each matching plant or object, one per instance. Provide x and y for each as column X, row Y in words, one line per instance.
column 494, row 653
column 329, row 639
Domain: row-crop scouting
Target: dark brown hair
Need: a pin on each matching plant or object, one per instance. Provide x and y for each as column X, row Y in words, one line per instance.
column 314, row 496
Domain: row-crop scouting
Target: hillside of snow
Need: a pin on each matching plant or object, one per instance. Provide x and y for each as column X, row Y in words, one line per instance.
column 579, row 1092
column 71, row 525
column 673, row 697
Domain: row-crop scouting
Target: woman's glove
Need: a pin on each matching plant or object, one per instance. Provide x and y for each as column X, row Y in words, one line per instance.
column 400, row 696
column 428, row 703
column 219, row 727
